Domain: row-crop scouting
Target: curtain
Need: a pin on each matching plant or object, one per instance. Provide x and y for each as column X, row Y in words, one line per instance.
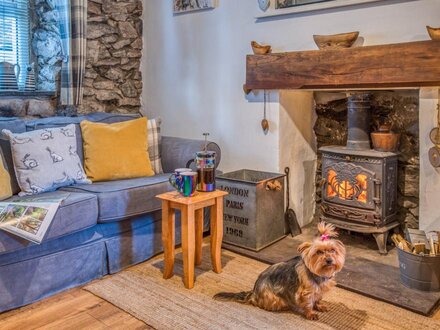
column 73, row 68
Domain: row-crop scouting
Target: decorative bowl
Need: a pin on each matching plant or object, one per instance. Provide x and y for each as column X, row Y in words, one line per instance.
column 260, row 49
column 385, row 141
column 434, row 33
column 336, row 41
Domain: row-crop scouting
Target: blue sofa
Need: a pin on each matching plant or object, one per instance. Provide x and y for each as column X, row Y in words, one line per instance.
column 99, row 229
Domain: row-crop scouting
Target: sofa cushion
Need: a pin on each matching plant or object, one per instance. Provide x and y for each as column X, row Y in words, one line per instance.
column 15, row 126
column 76, row 212
column 45, row 160
column 116, row 151
column 118, row 200
column 154, row 140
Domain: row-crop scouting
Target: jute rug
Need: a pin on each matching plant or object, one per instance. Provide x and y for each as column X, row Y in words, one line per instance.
column 166, row 304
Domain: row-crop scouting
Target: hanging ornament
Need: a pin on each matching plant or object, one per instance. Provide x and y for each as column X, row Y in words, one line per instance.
column 264, row 122
column 264, row 4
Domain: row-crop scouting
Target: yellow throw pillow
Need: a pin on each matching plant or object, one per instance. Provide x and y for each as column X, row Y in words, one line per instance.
column 5, row 182
column 116, row 151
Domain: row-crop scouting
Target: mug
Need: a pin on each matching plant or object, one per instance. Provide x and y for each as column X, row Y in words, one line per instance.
column 175, row 177
column 188, row 183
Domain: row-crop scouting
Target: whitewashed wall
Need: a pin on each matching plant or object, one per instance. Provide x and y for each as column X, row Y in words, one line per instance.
column 429, row 176
column 194, row 67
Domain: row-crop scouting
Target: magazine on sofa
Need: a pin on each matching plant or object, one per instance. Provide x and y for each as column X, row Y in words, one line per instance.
column 29, row 217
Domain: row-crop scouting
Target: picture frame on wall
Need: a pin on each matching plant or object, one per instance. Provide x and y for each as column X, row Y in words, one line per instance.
column 291, row 7
column 185, row 6
column 280, row 4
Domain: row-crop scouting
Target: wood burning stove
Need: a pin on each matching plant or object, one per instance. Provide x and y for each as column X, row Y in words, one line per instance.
column 359, row 191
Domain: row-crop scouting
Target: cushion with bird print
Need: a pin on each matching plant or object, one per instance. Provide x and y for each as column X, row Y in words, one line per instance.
column 45, row 160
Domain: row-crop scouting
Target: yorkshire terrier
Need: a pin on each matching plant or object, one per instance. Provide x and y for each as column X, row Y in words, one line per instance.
column 300, row 283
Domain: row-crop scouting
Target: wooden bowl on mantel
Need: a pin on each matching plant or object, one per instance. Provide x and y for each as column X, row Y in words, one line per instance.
column 336, row 41
column 260, row 49
column 434, row 33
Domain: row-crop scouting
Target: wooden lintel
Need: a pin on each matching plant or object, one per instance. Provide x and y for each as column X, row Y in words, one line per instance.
column 412, row 64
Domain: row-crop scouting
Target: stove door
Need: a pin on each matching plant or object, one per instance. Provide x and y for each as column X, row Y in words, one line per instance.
column 348, row 184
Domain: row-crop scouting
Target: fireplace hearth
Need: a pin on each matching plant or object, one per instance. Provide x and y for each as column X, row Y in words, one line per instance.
column 359, row 185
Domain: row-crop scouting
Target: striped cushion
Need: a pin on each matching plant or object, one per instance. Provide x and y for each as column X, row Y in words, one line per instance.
column 153, row 127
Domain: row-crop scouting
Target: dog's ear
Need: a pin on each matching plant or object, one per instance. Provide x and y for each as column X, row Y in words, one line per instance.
column 304, row 246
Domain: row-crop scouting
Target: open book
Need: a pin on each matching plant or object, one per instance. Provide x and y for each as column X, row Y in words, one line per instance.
column 29, row 217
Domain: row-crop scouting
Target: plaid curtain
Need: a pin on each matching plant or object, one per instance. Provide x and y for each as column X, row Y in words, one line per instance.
column 74, row 37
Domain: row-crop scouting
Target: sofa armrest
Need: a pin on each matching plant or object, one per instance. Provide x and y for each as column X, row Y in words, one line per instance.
column 177, row 152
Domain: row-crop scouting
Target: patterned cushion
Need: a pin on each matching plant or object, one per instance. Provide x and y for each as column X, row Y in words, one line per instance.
column 45, row 160
column 153, row 128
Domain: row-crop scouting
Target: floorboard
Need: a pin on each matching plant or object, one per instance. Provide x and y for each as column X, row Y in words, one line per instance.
column 73, row 309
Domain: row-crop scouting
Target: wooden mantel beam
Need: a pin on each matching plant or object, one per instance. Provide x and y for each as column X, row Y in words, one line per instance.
column 412, row 64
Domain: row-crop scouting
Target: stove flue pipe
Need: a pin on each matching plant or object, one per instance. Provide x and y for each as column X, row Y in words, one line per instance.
column 358, row 121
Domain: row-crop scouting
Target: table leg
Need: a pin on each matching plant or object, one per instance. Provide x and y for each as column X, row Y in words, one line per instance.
column 188, row 245
column 217, row 234
column 168, row 239
column 199, row 236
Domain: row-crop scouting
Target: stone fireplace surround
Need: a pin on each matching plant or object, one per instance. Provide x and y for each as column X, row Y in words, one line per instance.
column 309, row 120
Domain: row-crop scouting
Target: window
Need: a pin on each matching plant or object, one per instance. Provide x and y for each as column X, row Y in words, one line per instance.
column 14, row 35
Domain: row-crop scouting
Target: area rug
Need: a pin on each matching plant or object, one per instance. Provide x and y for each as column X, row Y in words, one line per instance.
column 166, row 304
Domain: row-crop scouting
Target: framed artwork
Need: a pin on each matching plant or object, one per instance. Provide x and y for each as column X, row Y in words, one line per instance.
column 288, row 7
column 279, row 4
column 184, row 6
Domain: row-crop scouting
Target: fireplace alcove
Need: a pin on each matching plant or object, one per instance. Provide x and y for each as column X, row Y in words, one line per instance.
column 301, row 78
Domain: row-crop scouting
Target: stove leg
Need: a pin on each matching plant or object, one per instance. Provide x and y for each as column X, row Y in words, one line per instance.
column 381, row 240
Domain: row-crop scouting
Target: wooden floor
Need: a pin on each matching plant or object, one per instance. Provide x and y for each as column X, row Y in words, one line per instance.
column 78, row 309
column 73, row 309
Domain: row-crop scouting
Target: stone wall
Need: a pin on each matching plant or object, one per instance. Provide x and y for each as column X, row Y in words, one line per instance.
column 113, row 81
column 400, row 108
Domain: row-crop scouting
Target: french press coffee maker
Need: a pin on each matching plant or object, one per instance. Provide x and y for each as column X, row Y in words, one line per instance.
column 205, row 164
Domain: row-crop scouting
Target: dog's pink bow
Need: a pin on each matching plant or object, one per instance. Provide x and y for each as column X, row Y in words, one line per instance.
column 325, row 237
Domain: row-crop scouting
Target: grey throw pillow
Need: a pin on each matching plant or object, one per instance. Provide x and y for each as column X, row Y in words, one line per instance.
column 45, row 160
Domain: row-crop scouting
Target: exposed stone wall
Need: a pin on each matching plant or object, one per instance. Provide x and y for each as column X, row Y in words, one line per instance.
column 400, row 108
column 113, row 81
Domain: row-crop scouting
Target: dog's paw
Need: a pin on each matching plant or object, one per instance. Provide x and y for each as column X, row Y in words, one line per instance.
column 321, row 307
column 311, row 316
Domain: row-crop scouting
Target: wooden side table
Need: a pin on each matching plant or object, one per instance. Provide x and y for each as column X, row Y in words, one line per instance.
column 191, row 209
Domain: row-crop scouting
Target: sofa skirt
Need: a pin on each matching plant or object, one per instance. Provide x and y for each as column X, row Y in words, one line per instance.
column 31, row 280
column 85, row 256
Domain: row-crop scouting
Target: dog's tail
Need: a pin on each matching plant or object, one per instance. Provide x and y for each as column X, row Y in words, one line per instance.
column 240, row 297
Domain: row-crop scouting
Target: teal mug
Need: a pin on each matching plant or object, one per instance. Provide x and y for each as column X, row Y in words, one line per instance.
column 188, row 183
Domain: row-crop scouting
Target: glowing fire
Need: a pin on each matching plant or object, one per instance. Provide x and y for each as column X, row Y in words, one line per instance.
column 346, row 190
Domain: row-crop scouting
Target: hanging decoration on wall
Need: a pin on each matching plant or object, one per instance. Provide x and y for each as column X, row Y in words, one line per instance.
column 184, row 6
column 265, row 122
column 434, row 135
column 264, row 4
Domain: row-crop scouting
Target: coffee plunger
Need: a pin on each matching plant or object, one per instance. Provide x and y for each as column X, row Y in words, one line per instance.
column 205, row 164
